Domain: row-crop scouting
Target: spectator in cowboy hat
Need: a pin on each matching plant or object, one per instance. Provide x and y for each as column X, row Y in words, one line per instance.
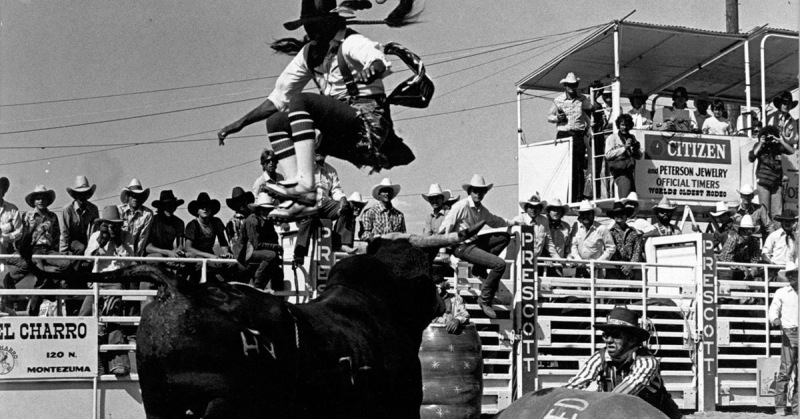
column 436, row 197
column 663, row 211
column 627, row 365
column 267, row 254
column 782, row 119
column 45, row 238
column 558, row 234
column 642, row 119
column 757, row 212
column 676, row 117
column 481, row 250
column 570, row 112
column 721, row 223
column 450, row 202
column 769, row 170
column 532, row 216
column 383, row 217
column 627, row 241
column 591, row 240
column 783, row 314
column 203, row 232
column 780, row 247
column 77, row 217
column 238, row 203
column 741, row 246
column 137, row 217
column 166, row 232
column 11, row 228
column 358, row 203
column 701, row 103
column 269, row 165
column 641, row 225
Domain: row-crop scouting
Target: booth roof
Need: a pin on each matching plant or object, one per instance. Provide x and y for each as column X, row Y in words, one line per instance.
column 660, row 58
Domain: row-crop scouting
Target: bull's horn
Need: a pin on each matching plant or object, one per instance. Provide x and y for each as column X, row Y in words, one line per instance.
column 444, row 240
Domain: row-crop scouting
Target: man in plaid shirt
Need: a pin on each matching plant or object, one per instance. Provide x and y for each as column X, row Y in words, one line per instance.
column 383, row 218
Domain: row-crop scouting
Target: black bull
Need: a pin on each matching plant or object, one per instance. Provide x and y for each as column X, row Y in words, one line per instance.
column 227, row 350
column 578, row 404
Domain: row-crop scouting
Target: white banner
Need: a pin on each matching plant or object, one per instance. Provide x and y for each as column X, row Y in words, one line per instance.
column 545, row 167
column 790, row 170
column 48, row 347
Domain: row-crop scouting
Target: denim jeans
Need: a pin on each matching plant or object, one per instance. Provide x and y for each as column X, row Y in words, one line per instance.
column 771, row 199
column 788, row 365
column 269, row 270
column 483, row 254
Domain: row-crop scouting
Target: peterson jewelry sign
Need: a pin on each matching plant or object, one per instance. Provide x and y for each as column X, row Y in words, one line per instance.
column 48, row 347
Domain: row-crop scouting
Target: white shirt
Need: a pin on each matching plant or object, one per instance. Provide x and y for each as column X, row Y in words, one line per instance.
column 328, row 184
column 358, row 51
column 642, row 119
column 715, row 126
column 777, row 249
column 110, row 249
column 263, row 180
column 784, row 307
column 464, row 214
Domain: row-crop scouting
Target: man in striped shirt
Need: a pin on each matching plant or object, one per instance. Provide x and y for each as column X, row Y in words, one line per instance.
column 625, row 365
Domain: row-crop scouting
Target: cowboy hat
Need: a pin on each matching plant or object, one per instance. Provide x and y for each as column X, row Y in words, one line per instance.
column 555, row 204
column 665, row 204
column 637, row 93
column 746, row 189
column 618, row 208
column 790, row 267
column 477, row 181
column 632, row 200
column 134, row 188
column 238, row 198
column 110, row 214
column 786, row 215
column 571, row 79
column 620, row 318
column 747, row 222
column 385, row 183
column 356, row 200
column 81, row 187
column 167, row 198
column 40, row 190
column 312, row 11
column 784, row 97
column 204, row 200
column 435, row 190
column 721, row 208
column 534, row 200
column 4, row 184
column 587, row 206
column 263, row 200
column 453, row 198
column 702, row 97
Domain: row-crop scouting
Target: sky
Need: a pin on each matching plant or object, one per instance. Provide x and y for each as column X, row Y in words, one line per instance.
column 133, row 59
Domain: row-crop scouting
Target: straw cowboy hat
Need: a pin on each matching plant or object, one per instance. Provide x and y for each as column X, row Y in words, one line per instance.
column 571, row 79
column 747, row 222
column 203, row 200
column 477, row 181
column 238, row 198
column 135, row 188
column 587, row 206
column 637, row 93
column 620, row 318
column 385, row 183
column 263, row 200
column 167, row 198
column 618, row 208
column 453, row 198
column 665, row 204
column 632, row 200
column 555, row 204
column 786, row 215
column 110, row 214
column 703, row 97
column 49, row 194
column 4, row 184
column 356, row 200
column 747, row 189
column 435, row 190
column 785, row 97
column 790, row 267
column 721, row 208
column 81, row 188
column 534, row 200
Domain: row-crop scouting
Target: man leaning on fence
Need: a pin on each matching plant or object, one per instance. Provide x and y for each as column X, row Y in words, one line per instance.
column 783, row 314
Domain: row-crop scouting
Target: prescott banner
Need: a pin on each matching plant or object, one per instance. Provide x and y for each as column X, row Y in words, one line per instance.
column 48, row 347
column 689, row 168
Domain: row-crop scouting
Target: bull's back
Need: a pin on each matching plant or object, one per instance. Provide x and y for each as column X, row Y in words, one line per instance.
column 579, row 404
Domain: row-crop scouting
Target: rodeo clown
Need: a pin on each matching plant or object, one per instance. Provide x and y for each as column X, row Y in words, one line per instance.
column 349, row 119
column 625, row 365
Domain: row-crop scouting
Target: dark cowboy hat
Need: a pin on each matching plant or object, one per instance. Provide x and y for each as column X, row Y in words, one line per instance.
column 623, row 319
column 110, row 214
column 49, row 194
column 313, row 11
column 203, row 200
column 4, row 184
column 618, row 208
column 786, row 215
column 785, row 97
column 167, row 198
column 81, row 188
column 238, row 198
